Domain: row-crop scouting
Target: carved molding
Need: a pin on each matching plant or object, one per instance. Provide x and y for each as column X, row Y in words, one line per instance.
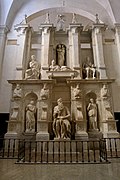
column 3, row 30
column 21, row 28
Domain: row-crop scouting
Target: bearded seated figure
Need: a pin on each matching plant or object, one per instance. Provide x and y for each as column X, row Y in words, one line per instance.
column 61, row 123
column 33, row 72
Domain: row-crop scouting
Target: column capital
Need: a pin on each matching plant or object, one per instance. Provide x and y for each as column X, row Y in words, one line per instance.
column 99, row 27
column 117, row 28
column 21, row 28
column 3, row 29
column 75, row 27
column 46, row 27
column 117, row 25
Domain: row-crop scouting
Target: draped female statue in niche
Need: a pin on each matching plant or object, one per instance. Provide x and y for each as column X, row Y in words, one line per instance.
column 92, row 114
column 30, row 117
column 61, row 52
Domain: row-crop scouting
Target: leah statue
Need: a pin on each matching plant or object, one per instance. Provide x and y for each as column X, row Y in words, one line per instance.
column 30, row 117
column 92, row 115
column 61, row 123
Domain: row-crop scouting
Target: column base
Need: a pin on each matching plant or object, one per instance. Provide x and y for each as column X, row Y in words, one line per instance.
column 12, row 135
column 95, row 135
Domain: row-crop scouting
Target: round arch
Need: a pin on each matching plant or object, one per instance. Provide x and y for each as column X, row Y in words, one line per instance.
column 34, row 9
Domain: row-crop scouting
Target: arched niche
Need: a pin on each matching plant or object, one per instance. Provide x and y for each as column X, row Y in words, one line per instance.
column 61, row 55
column 89, row 95
column 30, row 97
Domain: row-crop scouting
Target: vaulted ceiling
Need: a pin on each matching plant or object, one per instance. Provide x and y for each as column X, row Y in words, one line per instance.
column 108, row 10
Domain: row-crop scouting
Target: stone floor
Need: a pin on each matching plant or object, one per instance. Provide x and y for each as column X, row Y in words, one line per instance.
column 11, row 171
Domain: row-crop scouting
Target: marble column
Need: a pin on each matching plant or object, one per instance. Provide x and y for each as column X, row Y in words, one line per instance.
column 117, row 36
column 23, row 37
column 98, row 49
column 3, row 34
column 74, row 47
column 45, row 48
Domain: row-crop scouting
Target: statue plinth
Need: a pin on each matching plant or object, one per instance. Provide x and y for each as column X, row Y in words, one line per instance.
column 61, row 139
column 29, row 135
column 61, row 74
column 95, row 134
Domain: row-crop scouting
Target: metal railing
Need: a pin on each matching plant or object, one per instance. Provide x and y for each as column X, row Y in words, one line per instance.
column 8, row 148
column 60, row 151
column 113, row 147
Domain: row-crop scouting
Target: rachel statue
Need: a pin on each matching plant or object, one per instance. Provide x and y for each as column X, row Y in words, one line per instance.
column 92, row 114
column 30, row 116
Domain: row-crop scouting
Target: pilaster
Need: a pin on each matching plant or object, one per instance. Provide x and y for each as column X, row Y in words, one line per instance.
column 22, row 39
column 98, row 49
column 74, row 47
column 3, row 33
column 45, row 47
column 117, row 36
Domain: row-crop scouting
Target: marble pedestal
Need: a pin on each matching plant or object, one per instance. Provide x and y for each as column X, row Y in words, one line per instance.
column 29, row 136
column 95, row 135
column 42, row 136
column 109, row 129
